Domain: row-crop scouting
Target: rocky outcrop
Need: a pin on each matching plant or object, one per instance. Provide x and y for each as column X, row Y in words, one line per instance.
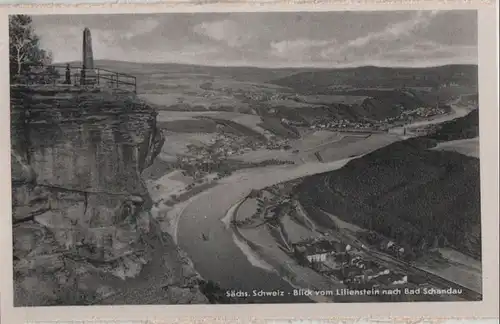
column 82, row 229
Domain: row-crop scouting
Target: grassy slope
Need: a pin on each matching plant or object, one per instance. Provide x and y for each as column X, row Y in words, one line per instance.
column 405, row 191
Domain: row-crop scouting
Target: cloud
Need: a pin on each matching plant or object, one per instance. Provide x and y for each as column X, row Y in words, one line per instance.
column 106, row 46
column 298, row 48
column 229, row 40
column 141, row 27
column 428, row 50
column 66, row 43
column 223, row 31
column 397, row 30
column 395, row 39
column 377, row 42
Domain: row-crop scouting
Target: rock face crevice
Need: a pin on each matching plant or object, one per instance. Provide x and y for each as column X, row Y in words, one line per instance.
column 82, row 230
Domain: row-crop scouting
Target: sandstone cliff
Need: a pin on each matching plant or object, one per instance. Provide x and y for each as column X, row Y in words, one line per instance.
column 82, row 230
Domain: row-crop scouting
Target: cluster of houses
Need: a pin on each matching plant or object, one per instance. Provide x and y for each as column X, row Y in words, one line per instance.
column 450, row 85
column 203, row 159
column 393, row 249
column 294, row 123
column 314, row 251
column 344, row 124
column 386, row 245
column 222, row 146
column 262, row 96
column 342, row 263
column 279, row 144
column 422, row 112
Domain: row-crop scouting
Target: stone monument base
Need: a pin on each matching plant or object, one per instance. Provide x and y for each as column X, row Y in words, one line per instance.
column 88, row 77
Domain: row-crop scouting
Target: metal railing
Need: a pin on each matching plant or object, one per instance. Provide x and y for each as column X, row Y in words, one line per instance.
column 67, row 75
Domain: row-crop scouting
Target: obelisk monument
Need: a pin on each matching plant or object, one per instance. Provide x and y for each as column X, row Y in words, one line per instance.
column 88, row 75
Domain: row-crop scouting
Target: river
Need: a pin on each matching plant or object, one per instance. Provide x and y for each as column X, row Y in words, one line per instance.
column 223, row 259
column 226, row 261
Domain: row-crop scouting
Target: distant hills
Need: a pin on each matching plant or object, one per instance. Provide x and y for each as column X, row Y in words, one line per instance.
column 421, row 198
column 249, row 74
column 332, row 80
column 302, row 95
column 312, row 78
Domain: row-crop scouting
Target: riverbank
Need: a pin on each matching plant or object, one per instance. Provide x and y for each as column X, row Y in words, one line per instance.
column 222, row 258
column 267, row 252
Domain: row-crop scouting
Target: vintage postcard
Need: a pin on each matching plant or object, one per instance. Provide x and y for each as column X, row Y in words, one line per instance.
column 286, row 158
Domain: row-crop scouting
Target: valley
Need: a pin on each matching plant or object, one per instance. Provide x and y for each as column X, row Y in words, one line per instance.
column 271, row 134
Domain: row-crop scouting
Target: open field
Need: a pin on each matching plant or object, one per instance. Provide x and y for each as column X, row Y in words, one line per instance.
column 157, row 170
column 189, row 126
column 250, row 121
column 295, row 231
column 291, row 104
column 176, row 144
column 199, row 92
column 235, row 86
column 342, row 141
column 165, row 186
column 330, row 99
column 275, row 126
column 457, row 257
column 454, row 266
column 166, row 118
column 192, row 101
column 343, row 225
column 355, row 146
column 312, row 139
column 469, row 147
column 264, row 154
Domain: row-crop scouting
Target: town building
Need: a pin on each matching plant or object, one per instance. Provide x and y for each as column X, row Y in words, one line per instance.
column 318, row 251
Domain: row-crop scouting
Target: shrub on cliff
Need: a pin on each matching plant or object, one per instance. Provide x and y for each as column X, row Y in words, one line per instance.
column 214, row 293
column 25, row 52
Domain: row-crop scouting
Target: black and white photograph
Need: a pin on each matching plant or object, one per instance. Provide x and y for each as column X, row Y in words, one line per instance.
column 245, row 158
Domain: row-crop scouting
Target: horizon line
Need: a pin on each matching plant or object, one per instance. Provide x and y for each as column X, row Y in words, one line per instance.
column 345, row 66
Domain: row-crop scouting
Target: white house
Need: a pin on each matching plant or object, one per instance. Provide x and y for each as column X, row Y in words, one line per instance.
column 320, row 257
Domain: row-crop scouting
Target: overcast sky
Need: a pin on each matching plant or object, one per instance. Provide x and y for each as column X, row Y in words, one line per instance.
column 322, row 39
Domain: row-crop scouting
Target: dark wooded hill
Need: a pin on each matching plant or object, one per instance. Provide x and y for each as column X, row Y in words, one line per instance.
column 419, row 197
column 329, row 80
